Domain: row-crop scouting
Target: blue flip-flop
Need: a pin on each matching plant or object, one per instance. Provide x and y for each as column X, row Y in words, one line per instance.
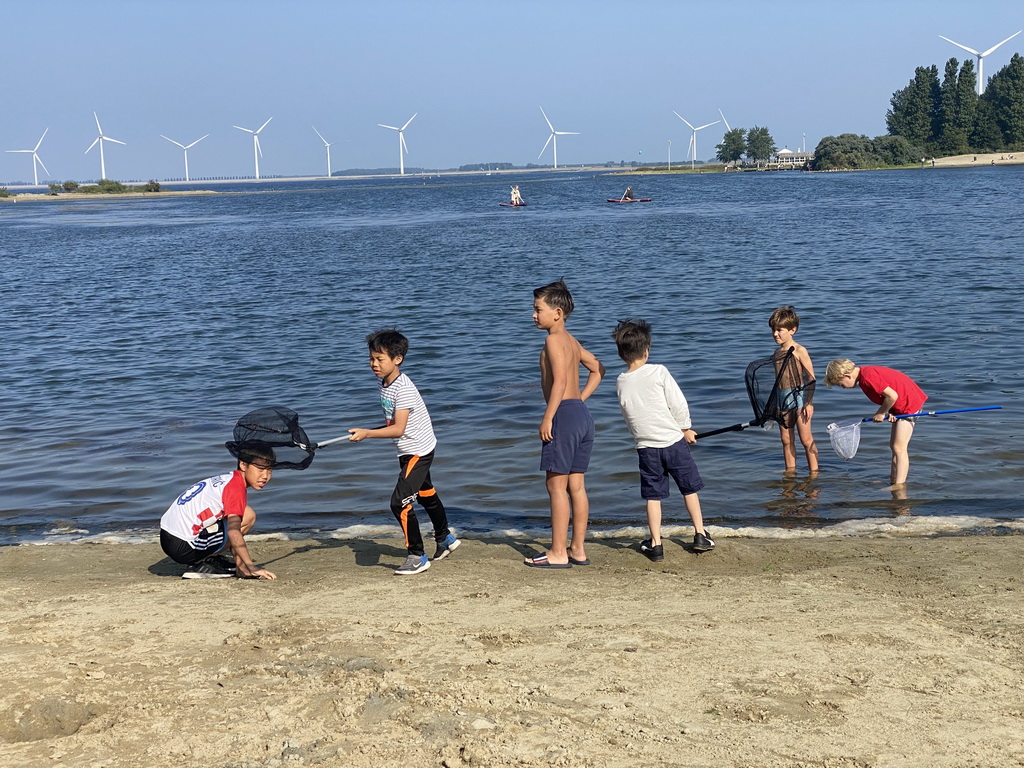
column 541, row 561
column 574, row 561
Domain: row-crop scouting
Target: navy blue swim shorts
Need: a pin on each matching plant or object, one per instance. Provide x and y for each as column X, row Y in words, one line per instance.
column 657, row 465
column 573, row 430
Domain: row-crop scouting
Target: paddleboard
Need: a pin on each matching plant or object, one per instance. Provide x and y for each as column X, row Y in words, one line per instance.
column 634, row 200
column 512, row 205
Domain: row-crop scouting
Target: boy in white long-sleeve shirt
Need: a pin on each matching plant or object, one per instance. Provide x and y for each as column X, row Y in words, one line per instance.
column 659, row 419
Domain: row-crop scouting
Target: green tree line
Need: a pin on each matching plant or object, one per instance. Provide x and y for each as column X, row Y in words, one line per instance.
column 933, row 117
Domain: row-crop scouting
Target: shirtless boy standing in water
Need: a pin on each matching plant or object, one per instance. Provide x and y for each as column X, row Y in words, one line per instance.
column 567, row 429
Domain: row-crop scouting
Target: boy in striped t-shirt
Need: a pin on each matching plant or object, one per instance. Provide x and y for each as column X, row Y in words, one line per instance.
column 408, row 424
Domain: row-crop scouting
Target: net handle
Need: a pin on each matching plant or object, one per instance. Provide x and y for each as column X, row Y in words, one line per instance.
column 940, row 413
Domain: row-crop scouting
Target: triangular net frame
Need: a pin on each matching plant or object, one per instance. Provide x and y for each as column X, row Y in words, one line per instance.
column 276, row 428
column 845, row 437
column 778, row 388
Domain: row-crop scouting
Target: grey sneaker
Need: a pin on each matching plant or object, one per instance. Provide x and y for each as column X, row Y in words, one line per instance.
column 702, row 542
column 655, row 553
column 445, row 546
column 208, row 569
column 413, row 564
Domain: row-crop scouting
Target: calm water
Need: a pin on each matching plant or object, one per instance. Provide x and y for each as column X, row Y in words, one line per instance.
column 135, row 332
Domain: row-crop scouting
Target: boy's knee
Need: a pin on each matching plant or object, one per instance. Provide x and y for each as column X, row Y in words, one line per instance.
column 248, row 520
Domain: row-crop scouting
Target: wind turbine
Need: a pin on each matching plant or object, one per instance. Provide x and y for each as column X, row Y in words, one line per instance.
column 186, row 149
column 693, row 137
column 402, row 148
column 99, row 140
column 257, row 152
column 326, row 144
column 981, row 57
column 553, row 138
column 35, row 158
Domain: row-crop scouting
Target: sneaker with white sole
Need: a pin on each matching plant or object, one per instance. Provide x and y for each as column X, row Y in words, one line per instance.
column 702, row 542
column 655, row 552
column 445, row 546
column 209, row 568
column 413, row 564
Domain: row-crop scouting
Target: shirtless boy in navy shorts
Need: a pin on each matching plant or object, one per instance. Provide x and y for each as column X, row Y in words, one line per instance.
column 567, row 429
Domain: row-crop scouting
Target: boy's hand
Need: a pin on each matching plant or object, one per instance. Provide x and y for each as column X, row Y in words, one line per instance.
column 255, row 572
column 546, row 431
column 356, row 435
column 689, row 436
column 879, row 417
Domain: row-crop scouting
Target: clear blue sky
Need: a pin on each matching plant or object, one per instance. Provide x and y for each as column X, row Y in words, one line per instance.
column 475, row 71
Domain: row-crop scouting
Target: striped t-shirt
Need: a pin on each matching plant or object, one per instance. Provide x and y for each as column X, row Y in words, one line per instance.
column 402, row 395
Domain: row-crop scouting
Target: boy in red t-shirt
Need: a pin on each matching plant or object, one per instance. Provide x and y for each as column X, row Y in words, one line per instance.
column 895, row 394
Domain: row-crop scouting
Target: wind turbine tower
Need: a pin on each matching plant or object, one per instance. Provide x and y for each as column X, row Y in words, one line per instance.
column 257, row 152
column 693, row 136
column 99, row 140
column 326, row 144
column 403, row 150
column 186, row 149
column 981, row 57
column 553, row 139
column 35, row 158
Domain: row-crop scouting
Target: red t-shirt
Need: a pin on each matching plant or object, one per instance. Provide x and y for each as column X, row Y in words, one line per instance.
column 874, row 379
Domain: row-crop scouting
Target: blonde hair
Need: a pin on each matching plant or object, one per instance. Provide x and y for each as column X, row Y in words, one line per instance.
column 837, row 369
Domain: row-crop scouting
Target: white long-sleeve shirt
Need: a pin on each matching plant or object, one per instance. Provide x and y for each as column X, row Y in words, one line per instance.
column 653, row 406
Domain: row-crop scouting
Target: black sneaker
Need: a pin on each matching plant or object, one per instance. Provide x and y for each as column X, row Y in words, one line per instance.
column 445, row 546
column 655, row 553
column 208, row 569
column 224, row 562
column 702, row 542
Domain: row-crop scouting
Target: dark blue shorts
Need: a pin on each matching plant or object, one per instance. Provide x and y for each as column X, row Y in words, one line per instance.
column 573, row 431
column 657, row 465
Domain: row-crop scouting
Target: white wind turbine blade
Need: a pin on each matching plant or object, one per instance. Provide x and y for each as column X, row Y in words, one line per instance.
column 94, row 143
column 724, row 120
column 567, row 133
column 107, row 138
column 256, row 140
column 264, row 125
column 954, row 42
column 35, row 158
column 247, row 130
column 408, row 121
column 707, row 125
column 41, row 141
column 546, row 120
column 193, row 143
column 172, row 141
column 97, row 123
column 683, row 119
column 986, row 53
column 550, row 137
column 392, row 127
column 321, row 137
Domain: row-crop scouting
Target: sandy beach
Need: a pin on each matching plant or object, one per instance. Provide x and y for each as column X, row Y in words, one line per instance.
column 837, row 652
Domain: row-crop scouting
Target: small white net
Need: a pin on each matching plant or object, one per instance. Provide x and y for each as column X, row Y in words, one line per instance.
column 845, row 438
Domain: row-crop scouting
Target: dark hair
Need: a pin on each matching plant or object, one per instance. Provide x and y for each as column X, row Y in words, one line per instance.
column 251, row 450
column 633, row 339
column 556, row 295
column 784, row 317
column 388, row 340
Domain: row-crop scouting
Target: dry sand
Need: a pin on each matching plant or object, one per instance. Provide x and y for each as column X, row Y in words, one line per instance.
column 845, row 653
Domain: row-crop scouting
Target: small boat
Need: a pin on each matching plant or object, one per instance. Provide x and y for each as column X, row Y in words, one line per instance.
column 630, row 200
column 512, row 205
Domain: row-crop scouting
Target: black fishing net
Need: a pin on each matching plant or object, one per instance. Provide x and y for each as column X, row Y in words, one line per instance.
column 778, row 388
column 276, row 428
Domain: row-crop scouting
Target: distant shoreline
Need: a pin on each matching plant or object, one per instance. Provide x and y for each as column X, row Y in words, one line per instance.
column 955, row 161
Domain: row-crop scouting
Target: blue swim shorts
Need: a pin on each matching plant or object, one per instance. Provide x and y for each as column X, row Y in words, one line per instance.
column 573, row 430
column 657, row 465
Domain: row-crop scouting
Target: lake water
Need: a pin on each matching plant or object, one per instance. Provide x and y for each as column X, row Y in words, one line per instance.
column 135, row 332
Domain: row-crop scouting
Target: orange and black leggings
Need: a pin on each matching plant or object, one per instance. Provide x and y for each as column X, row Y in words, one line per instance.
column 414, row 485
